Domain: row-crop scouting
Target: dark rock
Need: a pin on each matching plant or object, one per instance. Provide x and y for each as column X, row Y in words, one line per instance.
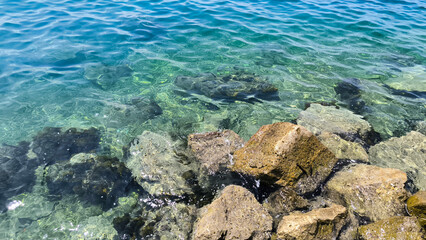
column 350, row 93
column 105, row 76
column 240, row 86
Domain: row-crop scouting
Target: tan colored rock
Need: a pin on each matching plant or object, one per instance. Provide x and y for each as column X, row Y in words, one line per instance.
column 214, row 149
column 416, row 206
column 285, row 154
column 343, row 149
column 398, row 228
column 369, row 191
column 323, row 223
column 235, row 214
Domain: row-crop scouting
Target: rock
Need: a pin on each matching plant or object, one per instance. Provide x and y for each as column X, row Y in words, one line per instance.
column 323, row 223
column 343, row 149
column 239, row 86
column 412, row 79
column 318, row 118
column 235, row 214
column 214, row 149
column 95, row 179
column 349, row 92
column 105, row 76
column 369, row 192
column 401, row 228
column 282, row 202
column 416, row 206
column 287, row 155
column 406, row 153
column 421, row 127
column 156, row 167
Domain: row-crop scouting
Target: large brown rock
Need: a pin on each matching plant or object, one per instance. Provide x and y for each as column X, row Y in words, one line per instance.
column 416, row 206
column 323, row 223
column 369, row 191
column 286, row 154
column 400, row 228
column 235, row 214
column 214, row 149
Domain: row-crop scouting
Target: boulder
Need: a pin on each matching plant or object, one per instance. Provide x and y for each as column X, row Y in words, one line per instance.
column 406, row 153
column 106, row 76
column 416, row 206
column 282, row 202
column 285, row 154
column 399, row 227
column 323, row 223
column 343, row 149
column 235, row 214
column 370, row 192
column 156, row 167
column 318, row 118
column 214, row 149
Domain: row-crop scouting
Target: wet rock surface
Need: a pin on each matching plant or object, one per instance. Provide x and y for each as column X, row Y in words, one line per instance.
column 399, row 227
column 416, row 206
column 323, row 223
column 156, row 167
column 287, row 155
column 318, row 118
column 235, row 214
column 95, row 179
column 343, row 149
column 406, row 153
column 369, row 192
column 214, row 149
column 240, row 86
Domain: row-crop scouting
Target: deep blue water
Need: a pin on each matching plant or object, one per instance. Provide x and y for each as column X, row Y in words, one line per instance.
column 53, row 56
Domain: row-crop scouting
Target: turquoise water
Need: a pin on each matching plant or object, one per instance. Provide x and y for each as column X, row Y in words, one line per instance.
column 81, row 64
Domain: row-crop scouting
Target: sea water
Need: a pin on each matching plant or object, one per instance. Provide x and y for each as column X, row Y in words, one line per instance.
column 82, row 64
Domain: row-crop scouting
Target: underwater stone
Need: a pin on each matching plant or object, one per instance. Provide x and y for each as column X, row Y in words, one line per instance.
column 95, row 179
column 55, row 144
column 240, row 86
column 105, row 76
column 235, row 214
column 406, row 153
column 369, row 191
column 401, row 228
column 411, row 79
column 318, row 118
column 349, row 92
column 323, row 223
column 214, row 149
column 287, row 155
column 416, row 206
column 156, row 167
column 421, row 127
column 343, row 149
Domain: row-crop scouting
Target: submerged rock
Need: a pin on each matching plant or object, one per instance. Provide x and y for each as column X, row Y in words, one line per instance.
column 105, row 76
column 240, row 86
column 156, row 166
column 350, row 93
column 214, row 149
column 235, row 214
column 406, row 153
column 416, row 206
column 318, row 118
column 287, row 155
column 421, row 127
column 401, row 228
column 369, row 192
column 343, row 149
column 55, row 144
column 95, row 179
column 411, row 79
column 323, row 223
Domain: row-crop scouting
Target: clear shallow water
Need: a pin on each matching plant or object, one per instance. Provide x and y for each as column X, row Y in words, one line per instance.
column 52, row 55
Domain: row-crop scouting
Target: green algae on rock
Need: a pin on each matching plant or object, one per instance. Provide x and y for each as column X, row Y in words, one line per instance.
column 287, row 155
column 416, row 206
column 323, row 223
column 399, row 227
column 406, row 153
column 235, row 214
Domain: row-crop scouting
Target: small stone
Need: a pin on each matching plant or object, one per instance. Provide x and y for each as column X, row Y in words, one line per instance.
column 235, row 214
column 323, row 223
column 416, row 206
column 369, row 191
column 406, row 153
column 400, row 227
column 285, row 154
column 214, row 149
column 343, row 149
